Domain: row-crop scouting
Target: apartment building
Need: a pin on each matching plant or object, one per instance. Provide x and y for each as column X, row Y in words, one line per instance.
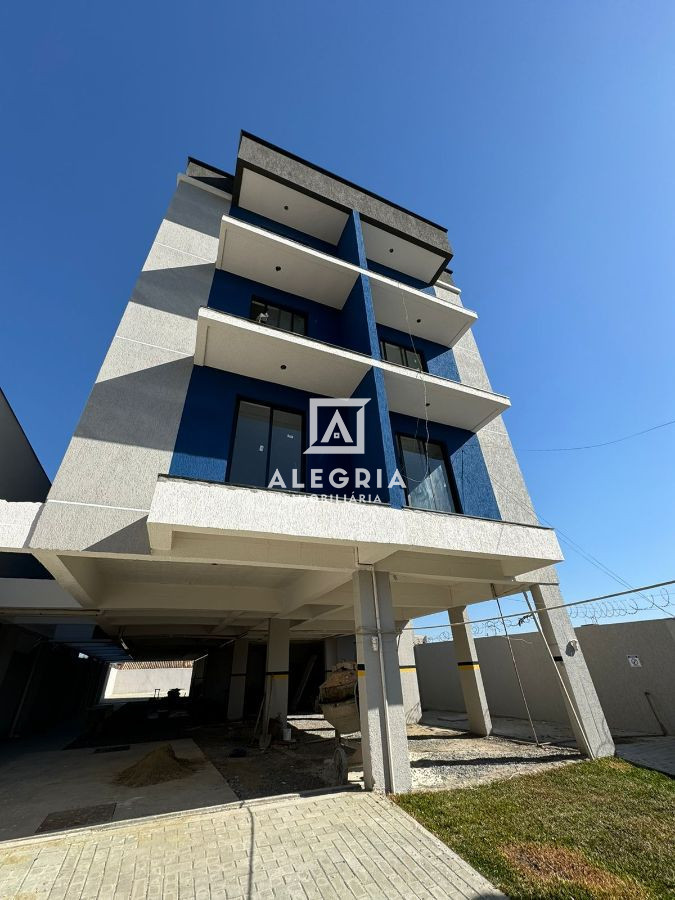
column 292, row 441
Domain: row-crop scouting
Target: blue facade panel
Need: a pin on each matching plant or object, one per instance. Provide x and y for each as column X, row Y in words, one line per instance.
column 233, row 294
column 300, row 237
column 465, row 458
column 440, row 360
column 205, row 438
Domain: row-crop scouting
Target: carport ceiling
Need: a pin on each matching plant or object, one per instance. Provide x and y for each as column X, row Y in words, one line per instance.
column 116, row 571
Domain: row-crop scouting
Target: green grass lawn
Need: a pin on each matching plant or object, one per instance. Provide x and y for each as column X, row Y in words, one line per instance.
column 603, row 829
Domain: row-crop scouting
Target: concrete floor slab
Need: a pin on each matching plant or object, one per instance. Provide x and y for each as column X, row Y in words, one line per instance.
column 33, row 785
column 656, row 753
column 347, row 845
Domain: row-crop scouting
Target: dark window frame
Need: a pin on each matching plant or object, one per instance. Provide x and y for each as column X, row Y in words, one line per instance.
column 241, row 398
column 423, row 362
column 449, row 471
column 278, row 306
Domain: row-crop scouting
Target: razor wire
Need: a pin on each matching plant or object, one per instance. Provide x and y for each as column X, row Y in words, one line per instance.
column 586, row 612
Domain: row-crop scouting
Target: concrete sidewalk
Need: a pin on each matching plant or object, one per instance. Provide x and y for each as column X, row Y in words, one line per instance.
column 656, row 753
column 36, row 785
column 337, row 845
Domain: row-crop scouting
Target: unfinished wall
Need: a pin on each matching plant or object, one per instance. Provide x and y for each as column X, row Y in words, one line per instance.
column 606, row 648
column 128, row 683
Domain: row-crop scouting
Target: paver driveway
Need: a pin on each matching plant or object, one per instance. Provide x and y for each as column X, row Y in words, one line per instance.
column 341, row 845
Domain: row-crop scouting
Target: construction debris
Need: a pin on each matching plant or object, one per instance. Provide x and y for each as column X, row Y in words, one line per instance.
column 155, row 767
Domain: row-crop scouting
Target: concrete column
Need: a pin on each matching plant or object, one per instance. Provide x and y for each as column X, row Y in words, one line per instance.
column 470, row 677
column 408, row 670
column 330, row 653
column 386, row 764
column 276, row 671
column 583, row 707
column 235, row 700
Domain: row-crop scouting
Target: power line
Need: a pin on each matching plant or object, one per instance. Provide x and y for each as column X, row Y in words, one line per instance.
column 577, row 548
column 626, row 437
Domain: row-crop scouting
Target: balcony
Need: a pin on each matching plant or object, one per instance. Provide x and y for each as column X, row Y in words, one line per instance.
column 243, row 347
column 232, row 344
column 414, row 393
column 223, row 514
column 259, row 255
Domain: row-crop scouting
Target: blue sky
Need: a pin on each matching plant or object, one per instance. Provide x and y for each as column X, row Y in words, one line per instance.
column 542, row 135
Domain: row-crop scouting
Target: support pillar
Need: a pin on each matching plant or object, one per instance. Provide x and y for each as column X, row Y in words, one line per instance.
column 581, row 700
column 330, row 654
column 386, row 764
column 468, row 667
column 276, row 672
column 408, row 670
column 235, row 700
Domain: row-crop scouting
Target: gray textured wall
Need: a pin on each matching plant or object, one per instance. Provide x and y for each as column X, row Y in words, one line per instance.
column 126, row 435
column 606, row 648
column 22, row 477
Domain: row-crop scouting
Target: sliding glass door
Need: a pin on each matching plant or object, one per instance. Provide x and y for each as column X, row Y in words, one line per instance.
column 426, row 476
column 266, row 439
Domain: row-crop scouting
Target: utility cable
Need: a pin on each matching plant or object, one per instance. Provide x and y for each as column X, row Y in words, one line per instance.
column 515, row 666
column 626, row 437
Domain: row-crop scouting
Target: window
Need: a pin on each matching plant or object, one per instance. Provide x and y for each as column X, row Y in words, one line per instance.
column 265, row 439
column 278, row 317
column 401, row 356
column 427, row 479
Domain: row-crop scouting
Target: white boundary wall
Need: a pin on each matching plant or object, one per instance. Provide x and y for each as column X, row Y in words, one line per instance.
column 128, row 683
column 606, row 648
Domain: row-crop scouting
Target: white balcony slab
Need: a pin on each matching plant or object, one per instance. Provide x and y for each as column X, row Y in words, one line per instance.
column 278, row 262
column 281, row 203
column 182, row 506
column 414, row 312
column 401, row 253
column 237, row 345
column 267, row 258
column 418, row 394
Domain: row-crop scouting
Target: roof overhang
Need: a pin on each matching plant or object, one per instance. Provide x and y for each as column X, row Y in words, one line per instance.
column 421, row 247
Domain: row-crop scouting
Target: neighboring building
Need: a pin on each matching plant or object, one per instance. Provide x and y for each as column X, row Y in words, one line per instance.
column 43, row 678
column 263, row 292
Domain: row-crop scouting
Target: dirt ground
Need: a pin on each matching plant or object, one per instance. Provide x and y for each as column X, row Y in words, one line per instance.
column 441, row 756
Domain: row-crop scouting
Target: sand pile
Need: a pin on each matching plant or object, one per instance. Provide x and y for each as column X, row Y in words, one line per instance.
column 159, row 765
